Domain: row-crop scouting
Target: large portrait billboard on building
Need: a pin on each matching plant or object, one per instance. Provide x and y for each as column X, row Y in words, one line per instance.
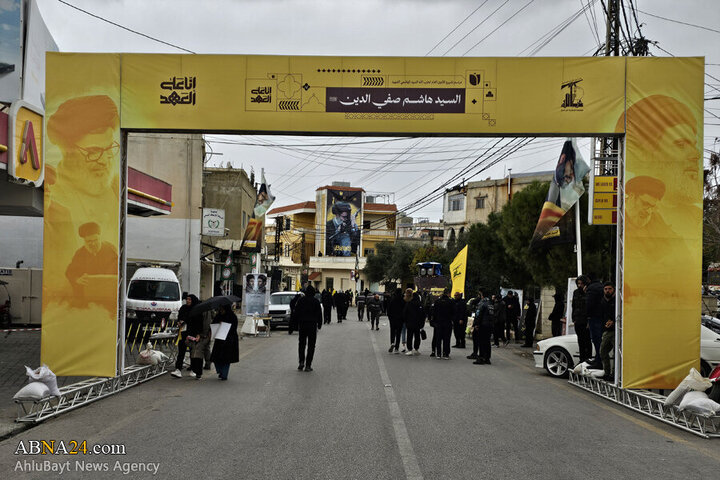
column 344, row 217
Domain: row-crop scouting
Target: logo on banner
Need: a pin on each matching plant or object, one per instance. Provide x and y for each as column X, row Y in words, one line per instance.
column 182, row 91
column 25, row 161
column 572, row 95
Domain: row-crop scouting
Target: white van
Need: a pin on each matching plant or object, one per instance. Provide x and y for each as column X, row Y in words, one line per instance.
column 153, row 298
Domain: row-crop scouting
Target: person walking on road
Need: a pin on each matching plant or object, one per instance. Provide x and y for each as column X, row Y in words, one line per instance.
column 327, row 303
column 483, row 325
column 580, row 320
column 308, row 318
column 374, row 307
column 183, row 319
column 499, row 311
column 395, row 318
column 199, row 340
column 443, row 313
column 512, row 312
column 360, row 306
column 459, row 320
column 414, row 319
column 226, row 351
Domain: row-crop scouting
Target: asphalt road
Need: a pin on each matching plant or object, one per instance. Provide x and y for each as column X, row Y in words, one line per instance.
column 365, row 414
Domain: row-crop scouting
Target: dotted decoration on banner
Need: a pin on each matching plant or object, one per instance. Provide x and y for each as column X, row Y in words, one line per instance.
column 347, row 70
column 389, row 116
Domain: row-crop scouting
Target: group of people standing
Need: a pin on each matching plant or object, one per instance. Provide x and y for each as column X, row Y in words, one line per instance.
column 195, row 335
column 593, row 315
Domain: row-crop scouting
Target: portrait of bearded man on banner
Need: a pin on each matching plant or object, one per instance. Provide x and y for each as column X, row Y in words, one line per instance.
column 565, row 189
column 342, row 234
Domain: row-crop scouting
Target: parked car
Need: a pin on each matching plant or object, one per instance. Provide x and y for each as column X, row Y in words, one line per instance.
column 558, row 355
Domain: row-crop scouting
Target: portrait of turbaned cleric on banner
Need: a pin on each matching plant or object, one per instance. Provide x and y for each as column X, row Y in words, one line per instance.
column 255, row 294
column 565, row 188
column 342, row 233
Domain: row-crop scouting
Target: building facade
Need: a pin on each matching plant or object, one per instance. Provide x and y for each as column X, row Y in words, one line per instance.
column 233, row 191
column 326, row 242
column 473, row 202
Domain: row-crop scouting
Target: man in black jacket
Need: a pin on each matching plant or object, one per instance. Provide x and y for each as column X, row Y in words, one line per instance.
column 443, row 313
column 499, row 320
column 374, row 308
column 327, row 304
column 512, row 309
column 608, row 329
column 308, row 317
column 459, row 320
column 580, row 318
column 395, row 317
column 593, row 302
column 482, row 330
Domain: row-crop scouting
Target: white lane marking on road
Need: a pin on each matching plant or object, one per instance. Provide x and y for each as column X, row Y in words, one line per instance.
column 407, row 453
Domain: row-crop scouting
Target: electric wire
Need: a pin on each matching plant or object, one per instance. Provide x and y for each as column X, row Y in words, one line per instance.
column 125, row 28
column 456, row 27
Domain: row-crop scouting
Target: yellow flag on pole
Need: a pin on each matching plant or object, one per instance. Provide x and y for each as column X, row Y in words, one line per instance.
column 457, row 271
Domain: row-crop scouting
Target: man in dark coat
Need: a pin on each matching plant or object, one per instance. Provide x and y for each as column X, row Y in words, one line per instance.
column 395, row 317
column 530, row 315
column 499, row 320
column 557, row 314
column 482, row 330
column 374, row 308
column 414, row 319
column 443, row 313
column 512, row 312
column 459, row 320
column 327, row 304
column 580, row 319
column 361, row 306
column 608, row 335
column 308, row 318
column 593, row 302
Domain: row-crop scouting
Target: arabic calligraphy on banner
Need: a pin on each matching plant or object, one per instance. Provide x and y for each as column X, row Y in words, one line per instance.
column 261, row 95
column 182, row 91
column 396, row 100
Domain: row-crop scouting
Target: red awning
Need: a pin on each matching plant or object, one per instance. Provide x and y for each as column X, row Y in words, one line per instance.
column 314, row 275
column 148, row 195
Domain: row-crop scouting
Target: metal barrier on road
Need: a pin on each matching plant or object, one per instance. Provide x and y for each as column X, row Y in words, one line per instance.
column 650, row 404
column 87, row 391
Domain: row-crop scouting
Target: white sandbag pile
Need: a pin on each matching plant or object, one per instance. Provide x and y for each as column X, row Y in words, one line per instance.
column 690, row 395
column 581, row 369
column 150, row 356
column 43, row 383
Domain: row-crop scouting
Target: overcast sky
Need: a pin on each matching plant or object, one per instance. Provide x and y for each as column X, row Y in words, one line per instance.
column 380, row 28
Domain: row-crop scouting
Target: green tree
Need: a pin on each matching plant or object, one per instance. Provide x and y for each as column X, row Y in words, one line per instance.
column 552, row 266
column 489, row 265
column 389, row 263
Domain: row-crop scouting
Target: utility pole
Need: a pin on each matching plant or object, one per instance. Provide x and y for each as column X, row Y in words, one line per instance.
column 612, row 32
